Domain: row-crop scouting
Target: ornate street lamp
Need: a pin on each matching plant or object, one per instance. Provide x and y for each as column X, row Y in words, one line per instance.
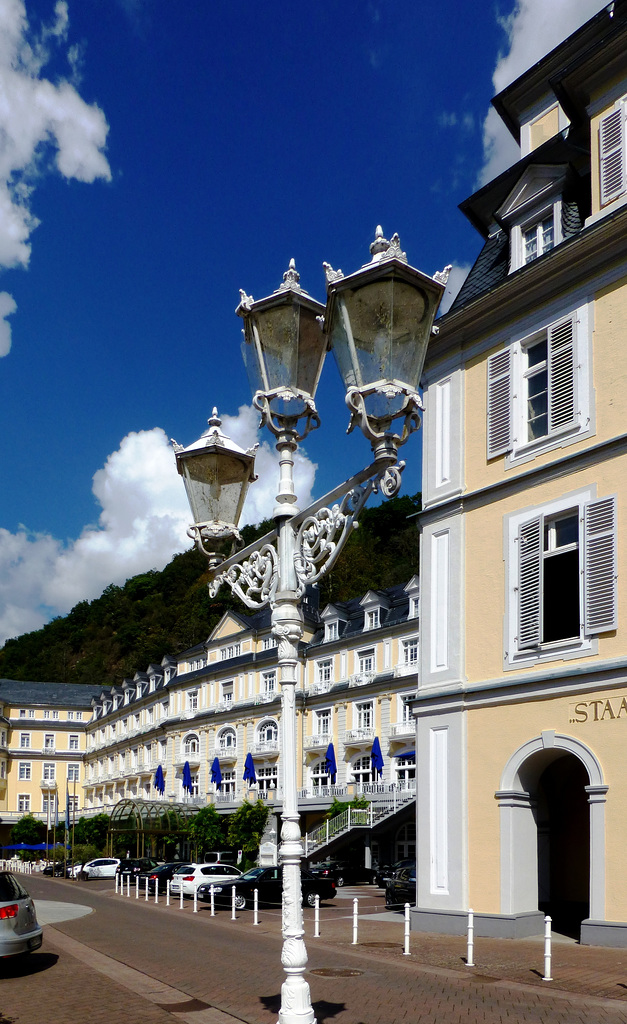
column 378, row 322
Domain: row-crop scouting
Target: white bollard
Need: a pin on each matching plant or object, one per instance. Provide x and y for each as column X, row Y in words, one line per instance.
column 256, row 906
column 355, row 919
column 547, row 950
column 156, row 890
column 146, row 896
column 233, row 918
column 128, row 887
column 317, row 917
column 406, row 951
column 136, row 887
column 117, row 881
column 213, row 901
column 167, row 893
column 195, row 900
column 181, row 900
column 470, row 949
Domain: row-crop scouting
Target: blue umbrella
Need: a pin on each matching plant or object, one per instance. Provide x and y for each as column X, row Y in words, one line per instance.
column 330, row 763
column 376, row 756
column 249, row 769
column 216, row 774
column 159, row 780
column 187, row 777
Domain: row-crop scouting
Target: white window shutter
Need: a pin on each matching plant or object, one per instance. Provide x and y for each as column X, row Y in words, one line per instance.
column 600, row 570
column 612, row 155
column 561, row 360
column 499, row 403
column 530, row 583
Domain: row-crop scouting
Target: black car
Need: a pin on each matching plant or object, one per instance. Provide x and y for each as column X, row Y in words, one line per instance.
column 160, row 875
column 269, row 884
column 343, row 872
column 59, row 869
column 134, row 866
column 401, row 887
column 387, row 870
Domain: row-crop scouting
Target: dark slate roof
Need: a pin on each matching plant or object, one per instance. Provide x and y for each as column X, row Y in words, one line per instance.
column 15, row 691
column 351, row 613
column 490, row 268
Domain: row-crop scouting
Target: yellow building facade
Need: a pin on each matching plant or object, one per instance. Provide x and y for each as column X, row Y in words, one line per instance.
column 522, row 700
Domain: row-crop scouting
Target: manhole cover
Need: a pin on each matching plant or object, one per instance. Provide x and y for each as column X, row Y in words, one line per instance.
column 383, row 945
column 336, row 972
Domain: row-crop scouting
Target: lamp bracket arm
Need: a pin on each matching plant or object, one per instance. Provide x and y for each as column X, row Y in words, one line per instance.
column 253, row 580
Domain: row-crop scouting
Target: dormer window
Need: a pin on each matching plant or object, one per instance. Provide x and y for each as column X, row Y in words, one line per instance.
column 331, row 631
column 532, row 213
column 538, row 238
column 373, row 618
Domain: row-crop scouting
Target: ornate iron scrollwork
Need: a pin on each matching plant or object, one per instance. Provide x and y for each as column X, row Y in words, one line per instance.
column 253, row 580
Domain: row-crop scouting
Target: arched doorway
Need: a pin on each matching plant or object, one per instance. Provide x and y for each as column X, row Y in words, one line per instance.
column 552, row 810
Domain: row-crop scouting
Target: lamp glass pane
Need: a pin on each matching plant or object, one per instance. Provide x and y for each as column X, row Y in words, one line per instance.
column 216, row 485
column 289, row 351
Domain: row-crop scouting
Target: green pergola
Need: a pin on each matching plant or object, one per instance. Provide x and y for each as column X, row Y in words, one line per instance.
column 141, row 824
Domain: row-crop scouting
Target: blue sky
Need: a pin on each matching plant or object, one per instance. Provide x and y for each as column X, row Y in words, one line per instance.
column 158, row 157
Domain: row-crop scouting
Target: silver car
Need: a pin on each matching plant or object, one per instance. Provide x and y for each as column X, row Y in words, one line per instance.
column 19, row 930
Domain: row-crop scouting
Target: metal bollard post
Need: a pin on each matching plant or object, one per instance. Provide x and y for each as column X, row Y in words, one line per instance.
column 256, row 906
column 355, row 919
column 547, row 950
column 406, row 951
column 470, row 950
column 156, row 890
column 195, row 900
column 181, row 902
column 213, row 902
column 146, row 896
column 317, row 917
column 233, row 903
column 117, row 880
column 167, row 893
column 128, row 886
column 136, row 887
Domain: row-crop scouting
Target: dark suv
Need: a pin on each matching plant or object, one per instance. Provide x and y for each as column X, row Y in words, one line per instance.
column 133, row 866
column 401, row 887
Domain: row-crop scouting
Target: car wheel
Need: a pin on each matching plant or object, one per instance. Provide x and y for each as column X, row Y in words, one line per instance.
column 240, row 901
column 339, row 881
column 309, row 899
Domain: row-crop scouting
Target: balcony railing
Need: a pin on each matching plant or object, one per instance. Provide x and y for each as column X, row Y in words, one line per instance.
column 321, row 740
column 265, row 747
column 361, row 678
column 403, row 729
column 225, row 753
column 266, row 698
column 352, row 736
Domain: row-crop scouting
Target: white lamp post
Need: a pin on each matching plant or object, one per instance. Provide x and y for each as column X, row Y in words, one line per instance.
column 378, row 322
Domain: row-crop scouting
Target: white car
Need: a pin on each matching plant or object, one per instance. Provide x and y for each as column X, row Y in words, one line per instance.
column 190, row 877
column 100, row 867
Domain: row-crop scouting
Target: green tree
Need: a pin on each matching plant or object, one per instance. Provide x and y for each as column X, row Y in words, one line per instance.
column 28, row 830
column 247, row 826
column 93, row 831
column 205, row 830
column 338, row 806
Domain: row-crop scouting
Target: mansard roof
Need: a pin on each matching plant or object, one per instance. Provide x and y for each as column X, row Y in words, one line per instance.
column 17, row 691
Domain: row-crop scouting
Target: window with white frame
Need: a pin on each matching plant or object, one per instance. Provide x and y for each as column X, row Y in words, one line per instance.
column 3, row 738
column 331, row 630
column 226, row 694
column 121, row 762
column 191, row 745
column 538, row 237
column 55, row 716
column 539, row 389
column 73, row 802
column 410, row 651
column 73, row 742
column 49, row 772
column 268, row 682
column 73, row 772
column 24, row 771
column 22, row 713
column 319, row 775
column 406, row 700
column 268, row 732
column 366, row 660
column 268, row 643
column 49, row 741
column 322, row 722
column 3, row 769
column 46, row 714
column 150, row 715
column 192, row 700
column 405, row 769
column 612, row 145
column 230, row 651
column 70, row 716
column 24, row 740
column 163, row 749
column 49, row 800
column 23, row 803
column 324, row 670
column 562, row 590
column 372, row 619
column 228, row 783
column 227, row 739
column 79, row 716
column 267, row 777
column 165, row 708
column 361, row 770
column 364, row 714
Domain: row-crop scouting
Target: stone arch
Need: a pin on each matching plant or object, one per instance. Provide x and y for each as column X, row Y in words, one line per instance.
column 518, row 826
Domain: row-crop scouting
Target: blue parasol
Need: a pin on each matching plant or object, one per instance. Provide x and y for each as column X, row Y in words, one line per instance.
column 159, row 780
column 216, row 774
column 249, row 769
column 331, row 763
column 376, row 756
column 187, row 778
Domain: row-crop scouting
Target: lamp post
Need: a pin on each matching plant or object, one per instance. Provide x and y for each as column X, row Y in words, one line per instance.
column 378, row 322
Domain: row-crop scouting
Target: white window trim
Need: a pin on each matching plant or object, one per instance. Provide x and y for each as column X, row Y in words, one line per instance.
column 583, row 645
column 506, row 420
column 538, row 213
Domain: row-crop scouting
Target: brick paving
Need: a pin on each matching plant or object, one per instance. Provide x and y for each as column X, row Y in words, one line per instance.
column 163, row 964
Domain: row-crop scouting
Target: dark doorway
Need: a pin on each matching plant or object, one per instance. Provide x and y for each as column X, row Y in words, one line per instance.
column 563, row 816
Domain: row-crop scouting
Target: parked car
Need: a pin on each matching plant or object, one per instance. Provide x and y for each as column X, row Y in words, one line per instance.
column 387, row 870
column 269, row 884
column 188, row 879
column 134, row 866
column 343, row 872
column 20, row 931
column 401, row 887
column 161, row 875
column 58, row 870
column 99, row 867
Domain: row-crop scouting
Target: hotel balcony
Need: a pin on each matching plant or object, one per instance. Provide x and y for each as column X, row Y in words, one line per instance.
column 358, row 737
column 319, row 742
column 225, row 753
column 265, row 747
column 403, row 730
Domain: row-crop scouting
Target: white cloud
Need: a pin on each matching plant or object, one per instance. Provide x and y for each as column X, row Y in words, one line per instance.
column 143, row 523
column 533, row 28
column 39, row 120
column 8, row 305
column 456, row 278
